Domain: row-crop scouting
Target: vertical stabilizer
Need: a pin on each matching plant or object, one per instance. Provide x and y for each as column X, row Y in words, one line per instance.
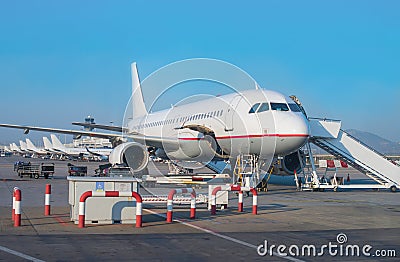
column 30, row 145
column 47, row 144
column 23, row 145
column 139, row 108
column 57, row 143
column 15, row 147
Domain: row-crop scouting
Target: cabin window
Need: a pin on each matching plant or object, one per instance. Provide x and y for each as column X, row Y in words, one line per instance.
column 263, row 107
column 279, row 107
column 254, row 108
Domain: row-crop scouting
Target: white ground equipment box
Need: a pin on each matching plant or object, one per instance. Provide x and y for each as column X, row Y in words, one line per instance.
column 221, row 197
column 103, row 210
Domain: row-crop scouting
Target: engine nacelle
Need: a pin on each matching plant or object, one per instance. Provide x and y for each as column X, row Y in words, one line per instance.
column 132, row 154
column 289, row 164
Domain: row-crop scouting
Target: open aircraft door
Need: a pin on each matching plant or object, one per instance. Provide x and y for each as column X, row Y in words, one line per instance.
column 231, row 111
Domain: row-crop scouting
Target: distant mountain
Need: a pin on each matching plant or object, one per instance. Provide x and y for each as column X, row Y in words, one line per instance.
column 378, row 143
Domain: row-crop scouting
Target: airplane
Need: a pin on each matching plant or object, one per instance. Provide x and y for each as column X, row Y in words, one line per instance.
column 261, row 123
column 7, row 149
column 78, row 152
column 14, row 148
column 31, row 147
column 49, row 148
column 23, row 146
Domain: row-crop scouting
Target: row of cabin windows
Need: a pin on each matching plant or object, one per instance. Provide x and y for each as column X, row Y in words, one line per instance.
column 182, row 119
column 262, row 107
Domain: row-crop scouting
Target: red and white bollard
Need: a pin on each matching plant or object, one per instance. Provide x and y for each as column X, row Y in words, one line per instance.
column 240, row 204
column 170, row 201
column 13, row 204
column 17, row 216
column 214, row 200
column 254, row 192
column 82, row 201
column 193, row 206
column 138, row 209
column 47, row 200
column 170, row 208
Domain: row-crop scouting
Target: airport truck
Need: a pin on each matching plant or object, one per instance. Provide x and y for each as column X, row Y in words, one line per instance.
column 77, row 170
column 34, row 170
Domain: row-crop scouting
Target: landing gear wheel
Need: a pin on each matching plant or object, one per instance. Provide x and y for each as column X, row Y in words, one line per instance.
column 393, row 189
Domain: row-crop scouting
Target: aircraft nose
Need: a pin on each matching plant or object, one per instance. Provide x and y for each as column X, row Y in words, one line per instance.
column 292, row 134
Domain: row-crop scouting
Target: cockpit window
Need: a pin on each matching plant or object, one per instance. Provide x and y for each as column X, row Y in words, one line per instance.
column 253, row 109
column 279, row 107
column 294, row 107
column 263, row 107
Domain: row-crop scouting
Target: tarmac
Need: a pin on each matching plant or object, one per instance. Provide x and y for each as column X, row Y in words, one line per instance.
column 285, row 217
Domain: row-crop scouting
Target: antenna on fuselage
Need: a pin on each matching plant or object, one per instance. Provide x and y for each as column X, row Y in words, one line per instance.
column 138, row 106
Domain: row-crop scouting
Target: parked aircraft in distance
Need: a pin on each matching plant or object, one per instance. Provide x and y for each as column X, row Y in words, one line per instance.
column 7, row 149
column 78, row 152
column 32, row 148
column 23, row 146
column 15, row 148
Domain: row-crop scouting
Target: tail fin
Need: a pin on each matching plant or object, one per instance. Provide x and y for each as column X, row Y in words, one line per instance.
column 15, row 147
column 139, row 108
column 30, row 145
column 56, row 143
column 23, row 145
column 47, row 143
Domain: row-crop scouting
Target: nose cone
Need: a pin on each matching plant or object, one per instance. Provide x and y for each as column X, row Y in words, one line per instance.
column 292, row 132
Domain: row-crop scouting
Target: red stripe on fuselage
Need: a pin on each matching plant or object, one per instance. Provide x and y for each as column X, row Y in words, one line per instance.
column 248, row 136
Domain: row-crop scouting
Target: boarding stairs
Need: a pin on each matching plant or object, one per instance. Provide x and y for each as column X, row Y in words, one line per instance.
column 245, row 171
column 328, row 135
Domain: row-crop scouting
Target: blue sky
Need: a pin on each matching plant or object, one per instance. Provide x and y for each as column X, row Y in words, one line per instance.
column 63, row 60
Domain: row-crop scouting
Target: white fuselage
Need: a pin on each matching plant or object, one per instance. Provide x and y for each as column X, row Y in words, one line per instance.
column 267, row 133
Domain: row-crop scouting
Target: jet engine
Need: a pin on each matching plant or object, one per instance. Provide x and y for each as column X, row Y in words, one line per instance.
column 289, row 163
column 131, row 154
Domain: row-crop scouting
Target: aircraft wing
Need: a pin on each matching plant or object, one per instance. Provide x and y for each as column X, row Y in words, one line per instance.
column 147, row 140
column 62, row 131
column 105, row 127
